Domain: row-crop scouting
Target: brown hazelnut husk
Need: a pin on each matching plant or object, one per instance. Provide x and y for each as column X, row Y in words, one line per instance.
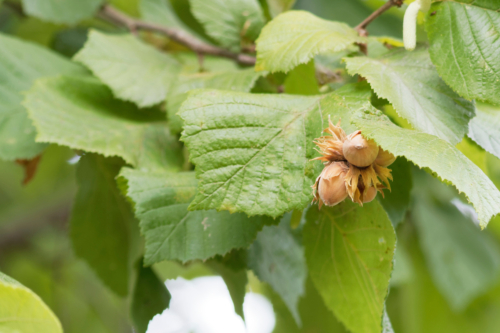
column 384, row 158
column 354, row 167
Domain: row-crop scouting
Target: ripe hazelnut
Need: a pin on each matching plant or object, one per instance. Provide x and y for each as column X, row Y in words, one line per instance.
column 369, row 194
column 331, row 184
column 359, row 151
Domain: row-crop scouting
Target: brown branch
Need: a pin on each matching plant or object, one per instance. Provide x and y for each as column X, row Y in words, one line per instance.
column 113, row 15
column 390, row 3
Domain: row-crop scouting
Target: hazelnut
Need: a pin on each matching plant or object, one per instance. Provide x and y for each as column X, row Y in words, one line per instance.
column 359, row 151
column 369, row 194
column 330, row 185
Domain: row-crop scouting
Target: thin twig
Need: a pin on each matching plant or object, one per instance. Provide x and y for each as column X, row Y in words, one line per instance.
column 113, row 15
column 386, row 6
column 361, row 28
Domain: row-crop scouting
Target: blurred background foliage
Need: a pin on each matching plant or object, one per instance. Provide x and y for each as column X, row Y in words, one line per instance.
column 446, row 276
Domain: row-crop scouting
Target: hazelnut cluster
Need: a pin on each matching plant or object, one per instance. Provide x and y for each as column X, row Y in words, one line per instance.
column 354, row 167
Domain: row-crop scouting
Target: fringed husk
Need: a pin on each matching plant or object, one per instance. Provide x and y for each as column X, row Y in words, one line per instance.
column 357, row 180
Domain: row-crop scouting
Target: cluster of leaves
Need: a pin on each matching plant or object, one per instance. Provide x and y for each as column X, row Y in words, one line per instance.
column 141, row 111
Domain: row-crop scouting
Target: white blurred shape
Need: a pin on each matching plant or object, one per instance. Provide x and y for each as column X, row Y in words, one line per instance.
column 203, row 305
column 74, row 159
column 259, row 314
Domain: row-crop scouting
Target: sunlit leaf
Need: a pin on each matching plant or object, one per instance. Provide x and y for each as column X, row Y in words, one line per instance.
column 134, row 71
column 411, row 83
column 21, row 63
column 96, row 122
column 21, row 310
column 295, row 37
column 445, row 160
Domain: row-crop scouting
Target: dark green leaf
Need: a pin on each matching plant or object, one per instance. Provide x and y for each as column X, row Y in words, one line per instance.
column 464, row 45
column 150, row 298
column 277, row 258
column 101, row 221
column 232, row 270
column 396, row 201
column 463, row 261
column 349, row 252
column 171, row 231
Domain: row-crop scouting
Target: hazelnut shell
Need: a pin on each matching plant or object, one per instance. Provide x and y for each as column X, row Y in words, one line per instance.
column 359, row 151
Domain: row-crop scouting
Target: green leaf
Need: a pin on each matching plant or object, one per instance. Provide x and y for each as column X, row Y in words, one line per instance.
column 21, row 63
column 349, row 251
column 134, row 71
column 171, row 231
column 316, row 317
column 463, row 261
column 235, row 277
column 278, row 259
column 410, row 82
column 295, row 37
column 484, row 128
column 302, row 80
column 161, row 12
column 446, row 161
column 234, row 80
column 21, row 310
column 396, row 201
column 464, row 44
column 65, row 12
column 252, row 152
column 96, row 122
column 150, row 298
column 277, row 7
column 229, row 21
column 101, row 220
